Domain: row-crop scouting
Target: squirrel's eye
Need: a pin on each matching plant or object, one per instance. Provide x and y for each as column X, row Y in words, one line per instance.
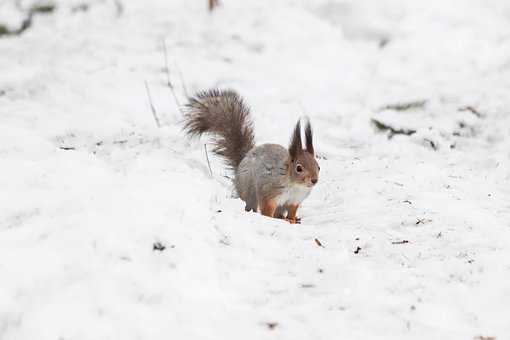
column 299, row 168
column 318, row 166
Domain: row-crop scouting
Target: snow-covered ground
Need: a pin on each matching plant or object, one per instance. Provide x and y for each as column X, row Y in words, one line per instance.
column 415, row 230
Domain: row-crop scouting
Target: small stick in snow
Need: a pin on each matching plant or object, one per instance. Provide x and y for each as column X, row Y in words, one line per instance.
column 168, row 81
column 207, row 157
column 184, row 89
column 431, row 143
column 119, row 8
column 358, row 249
column 152, row 105
column 307, row 285
column 400, row 242
column 422, row 220
column 158, row 246
column 318, row 243
column 472, row 110
column 418, row 104
column 28, row 21
column 383, row 42
column 271, row 325
column 391, row 130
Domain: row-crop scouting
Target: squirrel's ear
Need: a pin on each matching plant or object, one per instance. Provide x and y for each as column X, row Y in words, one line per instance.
column 295, row 143
column 309, row 138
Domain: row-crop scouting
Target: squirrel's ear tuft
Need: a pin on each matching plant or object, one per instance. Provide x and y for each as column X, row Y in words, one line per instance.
column 295, row 143
column 309, row 138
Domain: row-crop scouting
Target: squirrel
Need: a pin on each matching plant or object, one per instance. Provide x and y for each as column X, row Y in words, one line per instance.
column 269, row 178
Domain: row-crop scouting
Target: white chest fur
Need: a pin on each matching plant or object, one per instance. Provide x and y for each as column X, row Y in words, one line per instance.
column 293, row 194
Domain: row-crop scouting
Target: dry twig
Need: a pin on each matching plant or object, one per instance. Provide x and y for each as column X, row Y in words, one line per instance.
column 183, row 83
column 472, row 110
column 391, row 130
column 168, row 79
column 153, row 110
column 418, row 104
column 207, row 157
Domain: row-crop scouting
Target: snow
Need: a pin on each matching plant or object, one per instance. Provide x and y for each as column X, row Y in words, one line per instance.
column 89, row 183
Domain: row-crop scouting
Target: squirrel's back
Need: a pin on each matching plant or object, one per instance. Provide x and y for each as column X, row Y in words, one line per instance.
column 264, row 167
column 223, row 114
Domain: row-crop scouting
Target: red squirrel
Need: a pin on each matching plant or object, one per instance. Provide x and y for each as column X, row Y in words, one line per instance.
column 270, row 178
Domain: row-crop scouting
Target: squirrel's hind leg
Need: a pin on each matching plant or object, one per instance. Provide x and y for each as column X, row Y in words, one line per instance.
column 268, row 207
column 280, row 212
column 251, row 202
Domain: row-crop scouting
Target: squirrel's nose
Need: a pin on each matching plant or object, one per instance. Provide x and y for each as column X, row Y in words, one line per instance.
column 314, row 180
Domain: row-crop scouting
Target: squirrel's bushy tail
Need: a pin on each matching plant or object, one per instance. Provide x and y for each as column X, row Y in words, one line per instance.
column 223, row 114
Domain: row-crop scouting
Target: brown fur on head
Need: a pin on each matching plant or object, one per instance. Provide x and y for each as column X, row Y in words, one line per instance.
column 303, row 166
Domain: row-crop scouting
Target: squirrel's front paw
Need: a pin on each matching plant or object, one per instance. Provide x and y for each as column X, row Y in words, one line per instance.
column 295, row 220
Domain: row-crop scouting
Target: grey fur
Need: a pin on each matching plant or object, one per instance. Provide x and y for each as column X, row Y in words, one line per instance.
column 224, row 114
column 262, row 174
